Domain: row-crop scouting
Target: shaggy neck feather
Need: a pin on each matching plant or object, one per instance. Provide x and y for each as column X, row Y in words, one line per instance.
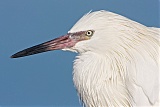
column 101, row 84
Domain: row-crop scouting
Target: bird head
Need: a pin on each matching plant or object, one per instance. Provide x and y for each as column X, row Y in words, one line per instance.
column 91, row 33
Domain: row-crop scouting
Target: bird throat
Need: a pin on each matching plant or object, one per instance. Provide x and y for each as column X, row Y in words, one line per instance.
column 97, row 83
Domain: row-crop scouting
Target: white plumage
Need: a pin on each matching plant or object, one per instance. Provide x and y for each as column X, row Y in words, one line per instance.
column 118, row 61
column 118, row 66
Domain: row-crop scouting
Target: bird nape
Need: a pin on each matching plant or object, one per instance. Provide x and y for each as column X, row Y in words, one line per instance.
column 118, row 60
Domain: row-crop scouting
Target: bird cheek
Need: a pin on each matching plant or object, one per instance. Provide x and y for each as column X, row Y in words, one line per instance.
column 85, row 37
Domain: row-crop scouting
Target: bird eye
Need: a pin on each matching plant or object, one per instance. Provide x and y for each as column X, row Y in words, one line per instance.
column 89, row 33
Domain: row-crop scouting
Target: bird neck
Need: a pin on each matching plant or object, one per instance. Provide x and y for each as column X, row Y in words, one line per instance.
column 99, row 81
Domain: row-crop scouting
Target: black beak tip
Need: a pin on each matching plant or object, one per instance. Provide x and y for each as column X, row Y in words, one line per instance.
column 19, row 54
column 14, row 56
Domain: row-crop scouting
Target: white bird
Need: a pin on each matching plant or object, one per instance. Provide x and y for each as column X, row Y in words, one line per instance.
column 118, row 60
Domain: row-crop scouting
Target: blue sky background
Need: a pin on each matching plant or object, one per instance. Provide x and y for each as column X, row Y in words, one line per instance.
column 46, row 79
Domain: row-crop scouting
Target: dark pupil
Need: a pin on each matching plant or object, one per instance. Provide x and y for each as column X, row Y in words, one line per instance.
column 89, row 33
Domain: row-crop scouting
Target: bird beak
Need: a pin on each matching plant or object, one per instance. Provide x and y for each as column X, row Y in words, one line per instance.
column 62, row 42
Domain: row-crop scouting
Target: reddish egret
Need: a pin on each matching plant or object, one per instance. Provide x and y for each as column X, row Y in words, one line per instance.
column 118, row 60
